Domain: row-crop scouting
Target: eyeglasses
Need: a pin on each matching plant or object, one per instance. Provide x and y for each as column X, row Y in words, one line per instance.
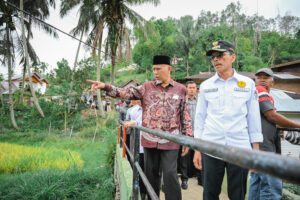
column 219, row 55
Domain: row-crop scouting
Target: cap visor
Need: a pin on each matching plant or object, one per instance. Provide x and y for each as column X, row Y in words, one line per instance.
column 209, row 53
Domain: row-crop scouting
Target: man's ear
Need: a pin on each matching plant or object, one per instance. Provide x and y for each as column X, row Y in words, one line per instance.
column 169, row 67
column 233, row 58
column 273, row 82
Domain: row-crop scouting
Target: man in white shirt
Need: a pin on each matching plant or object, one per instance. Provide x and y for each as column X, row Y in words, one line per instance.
column 135, row 119
column 227, row 113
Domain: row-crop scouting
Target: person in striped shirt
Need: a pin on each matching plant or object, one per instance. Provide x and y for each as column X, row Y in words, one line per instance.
column 263, row 186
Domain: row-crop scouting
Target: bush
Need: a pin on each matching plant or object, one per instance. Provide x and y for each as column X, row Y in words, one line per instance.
column 54, row 184
column 28, row 118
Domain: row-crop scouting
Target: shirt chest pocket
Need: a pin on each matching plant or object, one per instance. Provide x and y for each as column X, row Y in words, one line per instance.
column 239, row 98
column 213, row 100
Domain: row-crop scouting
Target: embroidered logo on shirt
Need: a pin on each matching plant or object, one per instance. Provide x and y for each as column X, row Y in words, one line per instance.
column 239, row 89
column 211, row 90
column 241, row 84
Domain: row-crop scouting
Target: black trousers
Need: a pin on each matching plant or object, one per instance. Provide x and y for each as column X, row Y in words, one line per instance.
column 187, row 167
column 166, row 160
column 213, row 173
column 143, row 189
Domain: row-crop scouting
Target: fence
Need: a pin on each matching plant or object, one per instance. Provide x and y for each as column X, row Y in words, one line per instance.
column 286, row 168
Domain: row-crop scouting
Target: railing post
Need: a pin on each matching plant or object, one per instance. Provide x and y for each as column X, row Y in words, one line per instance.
column 124, row 141
column 136, row 151
column 119, row 129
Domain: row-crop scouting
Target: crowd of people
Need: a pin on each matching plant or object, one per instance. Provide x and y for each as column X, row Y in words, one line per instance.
column 228, row 109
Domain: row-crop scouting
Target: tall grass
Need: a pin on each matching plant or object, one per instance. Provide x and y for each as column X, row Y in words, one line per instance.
column 94, row 180
column 20, row 158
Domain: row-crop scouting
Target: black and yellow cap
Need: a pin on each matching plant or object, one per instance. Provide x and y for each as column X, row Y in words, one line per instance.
column 221, row 46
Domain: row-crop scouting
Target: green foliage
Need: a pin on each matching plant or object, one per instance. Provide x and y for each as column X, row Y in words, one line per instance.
column 28, row 118
column 93, row 181
column 252, row 64
column 258, row 42
column 295, row 189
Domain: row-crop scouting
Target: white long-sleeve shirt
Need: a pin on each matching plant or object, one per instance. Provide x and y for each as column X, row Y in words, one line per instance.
column 227, row 112
column 135, row 114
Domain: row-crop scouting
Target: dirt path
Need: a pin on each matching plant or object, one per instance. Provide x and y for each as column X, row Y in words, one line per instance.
column 194, row 191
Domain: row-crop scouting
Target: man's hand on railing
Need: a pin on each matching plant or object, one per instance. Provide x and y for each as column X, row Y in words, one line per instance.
column 197, row 160
column 185, row 150
column 129, row 124
column 96, row 85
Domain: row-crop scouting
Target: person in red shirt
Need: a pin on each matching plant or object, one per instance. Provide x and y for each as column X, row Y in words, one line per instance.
column 263, row 186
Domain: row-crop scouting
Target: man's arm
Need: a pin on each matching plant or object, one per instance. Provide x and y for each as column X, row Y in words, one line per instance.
column 280, row 120
column 186, row 123
column 131, row 93
column 200, row 116
column 254, row 120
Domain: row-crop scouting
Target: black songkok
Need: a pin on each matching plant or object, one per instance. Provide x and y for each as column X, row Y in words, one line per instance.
column 160, row 60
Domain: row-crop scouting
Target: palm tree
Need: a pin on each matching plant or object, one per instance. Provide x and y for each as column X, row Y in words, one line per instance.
column 10, row 17
column 98, row 14
column 39, row 9
column 6, row 52
column 187, row 36
column 27, row 63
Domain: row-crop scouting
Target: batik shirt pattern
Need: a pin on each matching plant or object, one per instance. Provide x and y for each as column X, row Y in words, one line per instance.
column 164, row 109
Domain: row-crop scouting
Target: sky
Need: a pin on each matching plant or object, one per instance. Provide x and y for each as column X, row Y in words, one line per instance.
column 52, row 50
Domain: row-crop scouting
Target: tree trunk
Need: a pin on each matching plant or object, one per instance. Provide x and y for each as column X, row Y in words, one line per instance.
column 128, row 46
column 23, row 84
column 258, row 43
column 113, row 64
column 254, row 44
column 11, row 103
column 1, row 96
column 73, row 71
column 187, row 66
column 101, row 112
column 24, row 69
column 27, row 62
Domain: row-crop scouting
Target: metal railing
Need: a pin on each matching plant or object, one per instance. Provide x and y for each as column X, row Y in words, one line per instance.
column 137, row 170
column 286, row 168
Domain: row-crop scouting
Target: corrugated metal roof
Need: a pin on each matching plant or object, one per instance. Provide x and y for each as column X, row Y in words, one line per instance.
column 285, row 103
column 285, row 76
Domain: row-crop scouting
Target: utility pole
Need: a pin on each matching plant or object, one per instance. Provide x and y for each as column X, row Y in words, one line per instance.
column 187, row 68
column 174, row 62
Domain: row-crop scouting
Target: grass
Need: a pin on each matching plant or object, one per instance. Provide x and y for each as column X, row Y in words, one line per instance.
column 94, row 180
column 20, row 158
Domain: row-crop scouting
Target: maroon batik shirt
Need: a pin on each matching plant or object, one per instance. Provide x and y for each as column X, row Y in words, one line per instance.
column 164, row 109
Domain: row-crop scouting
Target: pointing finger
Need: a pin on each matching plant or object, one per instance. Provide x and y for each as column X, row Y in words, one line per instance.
column 91, row 81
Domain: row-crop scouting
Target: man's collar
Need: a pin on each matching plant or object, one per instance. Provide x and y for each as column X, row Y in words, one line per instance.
column 192, row 98
column 158, row 82
column 235, row 76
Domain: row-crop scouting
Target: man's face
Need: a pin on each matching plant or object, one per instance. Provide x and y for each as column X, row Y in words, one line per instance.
column 263, row 79
column 191, row 89
column 222, row 61
column 161, row 72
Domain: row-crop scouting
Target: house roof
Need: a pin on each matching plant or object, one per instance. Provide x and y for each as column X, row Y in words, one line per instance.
column 284, row 102
column 207, row 75
column 131, row 81
column 35, row 77
column 277, row 75
column 285, row 64
column 287, row 76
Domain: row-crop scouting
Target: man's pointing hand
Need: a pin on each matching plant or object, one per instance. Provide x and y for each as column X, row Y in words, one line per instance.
column 96, row 85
